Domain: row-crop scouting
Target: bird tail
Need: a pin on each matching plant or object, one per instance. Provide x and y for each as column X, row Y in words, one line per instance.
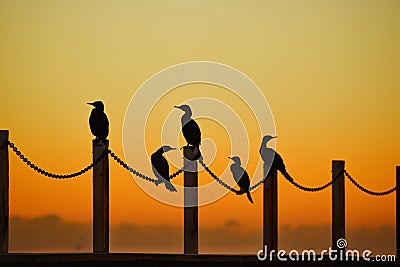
column 169, row 186
column 157, row 182
column 287, row 175
column 250, row 198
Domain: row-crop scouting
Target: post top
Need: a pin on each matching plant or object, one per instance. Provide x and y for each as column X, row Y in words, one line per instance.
column 191, row 152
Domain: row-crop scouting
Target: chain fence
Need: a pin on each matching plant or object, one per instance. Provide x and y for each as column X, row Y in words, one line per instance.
column 106, row 152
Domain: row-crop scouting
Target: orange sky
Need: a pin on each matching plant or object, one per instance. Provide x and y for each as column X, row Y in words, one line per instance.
column 329, row 70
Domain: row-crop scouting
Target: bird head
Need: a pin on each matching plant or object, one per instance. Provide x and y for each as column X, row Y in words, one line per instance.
column 235, row 159
column 167, row 148
column 97, row 104
column 185, row 108
column 267, row 138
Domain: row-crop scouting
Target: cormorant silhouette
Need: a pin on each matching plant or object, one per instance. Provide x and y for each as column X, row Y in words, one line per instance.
column 190, row 129
column 160, row 167
column 98, row 121
column 268, row 154
column 241, row 177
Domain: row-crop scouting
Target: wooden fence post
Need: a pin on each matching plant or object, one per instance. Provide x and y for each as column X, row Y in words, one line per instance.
column 101, row 220
column 397, row 211
column 270, row 209
column 338, row 203
column 191, row 202
column 4, row 183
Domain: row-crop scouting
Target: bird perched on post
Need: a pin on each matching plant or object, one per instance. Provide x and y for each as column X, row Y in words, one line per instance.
column 160, row 167
column 98, row 121
column 190, row 129
column 268, row 155
column 241, row 177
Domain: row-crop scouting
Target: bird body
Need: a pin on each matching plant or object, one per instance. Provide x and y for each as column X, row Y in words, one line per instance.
column 190, row 129
column 191, row 132
column 268, row 155
column 241, row 177
column 160, row 167
column 98, row 121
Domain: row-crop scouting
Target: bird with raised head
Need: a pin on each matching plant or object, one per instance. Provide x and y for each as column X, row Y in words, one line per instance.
column 98, row 121
column 190, row 129
column 272, row 157
column 241, row 177
column 160, row 167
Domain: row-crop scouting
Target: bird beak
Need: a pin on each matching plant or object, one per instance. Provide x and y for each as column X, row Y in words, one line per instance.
column 173, row 148
column 229, row 158
column 274, row 136
column 92, row 104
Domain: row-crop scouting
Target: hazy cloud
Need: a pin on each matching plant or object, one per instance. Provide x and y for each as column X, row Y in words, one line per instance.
column 51, row 234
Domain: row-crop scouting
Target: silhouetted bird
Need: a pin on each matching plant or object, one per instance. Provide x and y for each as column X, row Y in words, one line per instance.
column 268, row 154
column 241, row 177
column 190, row 129
column 161, row 167
column 98, row 121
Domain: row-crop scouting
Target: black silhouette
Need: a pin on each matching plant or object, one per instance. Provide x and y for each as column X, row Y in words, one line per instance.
column 161, row 167
column 190, row 129
column 98, row 121
column 268, row 154
column 241, row 177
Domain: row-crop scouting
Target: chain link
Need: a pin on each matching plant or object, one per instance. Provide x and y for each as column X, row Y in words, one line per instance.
column 213, row 175
column 138, row 174
column 54, row 175
column 365, row 190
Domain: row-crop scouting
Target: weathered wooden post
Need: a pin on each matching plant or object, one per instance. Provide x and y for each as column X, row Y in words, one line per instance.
column 4, row 183
column 338, row 204
column 397, row 211
column 270, row 209
column 190, row 202
column 100, row 199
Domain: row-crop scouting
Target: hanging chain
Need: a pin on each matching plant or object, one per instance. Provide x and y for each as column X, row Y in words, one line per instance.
column 54, row 175
column 315, row 189
column 213, row 175
column 138, row 174
column 365, row 190
column 172, row 176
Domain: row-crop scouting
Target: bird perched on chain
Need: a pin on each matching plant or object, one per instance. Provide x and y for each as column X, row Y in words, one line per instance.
column 160, row 167
column 241, row 177
column 271, row 156
column 98, row 121
column 191, row 130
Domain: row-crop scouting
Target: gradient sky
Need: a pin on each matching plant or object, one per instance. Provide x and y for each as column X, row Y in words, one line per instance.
column 330, row 71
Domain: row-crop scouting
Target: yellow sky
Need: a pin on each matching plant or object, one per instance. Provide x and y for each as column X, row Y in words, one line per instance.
column 329, row 70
